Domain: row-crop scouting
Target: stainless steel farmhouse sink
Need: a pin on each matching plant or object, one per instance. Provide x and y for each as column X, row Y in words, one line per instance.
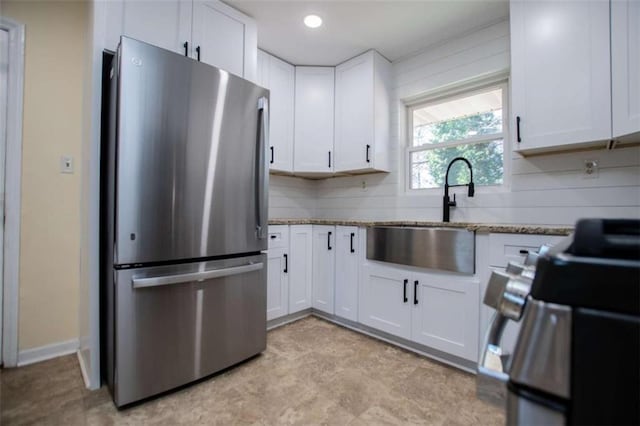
column 447, row 249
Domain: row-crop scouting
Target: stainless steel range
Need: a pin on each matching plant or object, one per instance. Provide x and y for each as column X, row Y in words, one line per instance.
column 184, row 276
column 577, row 358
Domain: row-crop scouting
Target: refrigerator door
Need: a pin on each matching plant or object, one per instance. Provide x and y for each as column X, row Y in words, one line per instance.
column 191, row 172
column 178, row 323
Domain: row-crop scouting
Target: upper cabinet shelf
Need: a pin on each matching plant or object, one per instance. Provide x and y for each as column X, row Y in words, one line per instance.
column 562, row 57
column 208, row 31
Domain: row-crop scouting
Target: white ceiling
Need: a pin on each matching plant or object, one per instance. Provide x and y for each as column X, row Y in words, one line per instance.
column 394, row 28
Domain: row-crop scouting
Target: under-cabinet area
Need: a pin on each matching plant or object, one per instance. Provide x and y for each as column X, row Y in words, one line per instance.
column 437, row 313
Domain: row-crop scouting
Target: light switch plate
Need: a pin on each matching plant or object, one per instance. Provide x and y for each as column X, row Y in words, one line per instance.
column 66, row 164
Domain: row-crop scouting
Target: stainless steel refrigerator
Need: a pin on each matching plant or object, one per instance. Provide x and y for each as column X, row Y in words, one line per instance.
column 186, row 222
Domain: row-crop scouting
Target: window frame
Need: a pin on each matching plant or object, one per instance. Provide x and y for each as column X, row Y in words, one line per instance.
column 452, row 94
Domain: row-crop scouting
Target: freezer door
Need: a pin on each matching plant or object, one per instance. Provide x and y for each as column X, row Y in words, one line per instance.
column 175, row 324
column 191, row 172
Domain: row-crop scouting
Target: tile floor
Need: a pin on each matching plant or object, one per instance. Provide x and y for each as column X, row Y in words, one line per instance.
column 313, row 372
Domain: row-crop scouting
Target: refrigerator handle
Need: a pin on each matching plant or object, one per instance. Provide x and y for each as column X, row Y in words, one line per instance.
column 195, row 276
column 262, row 171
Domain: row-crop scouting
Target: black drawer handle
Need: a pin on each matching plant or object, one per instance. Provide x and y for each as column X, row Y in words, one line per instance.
column 273, row 237
column 415, row 292
column 352, row 249
column 524, row 251
column 518, row 128
column 271, row 148
column 368, row 148
column 286, row 263
column 329, row 240
column 405, row 291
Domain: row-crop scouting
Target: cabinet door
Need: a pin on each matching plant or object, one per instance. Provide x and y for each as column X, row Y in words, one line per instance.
column 300, row 261
column 383, row 304
column 347, row 254
column 560, row 73
column 281, row 86
column 446, row 313
column 625, row 67
column 323, row 268
column 262, row 69
column 277, row 283
column 165, row 24
column 313, row 134
column 354, row 133
column 225, row 37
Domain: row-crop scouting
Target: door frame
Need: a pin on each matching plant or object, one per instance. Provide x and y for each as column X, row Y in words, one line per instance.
column 13, row 173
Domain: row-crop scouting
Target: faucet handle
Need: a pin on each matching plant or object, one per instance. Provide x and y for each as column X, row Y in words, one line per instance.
column 472, row 189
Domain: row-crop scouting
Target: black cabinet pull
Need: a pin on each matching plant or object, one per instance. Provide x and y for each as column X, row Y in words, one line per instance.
column 368, row 148
column 518, row 128
column 186, row 48
column 271, row 148
column 405, row 291
column 329, row 159
column 273, row 237
column 352, row 249
column 524, row 251
column 415, row 292
column 198, row 53
column 329, row 240
column 286, row 263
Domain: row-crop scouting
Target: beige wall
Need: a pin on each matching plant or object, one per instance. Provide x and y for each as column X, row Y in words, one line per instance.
column 50, row 230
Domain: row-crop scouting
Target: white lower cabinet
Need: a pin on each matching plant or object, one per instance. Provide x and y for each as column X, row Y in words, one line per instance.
column 300, row 267
column 277, row 283
column 384, row 299
column 346, row 282
column 446, row 313
column 323, row 268
column 436, row 310
column 277, row 272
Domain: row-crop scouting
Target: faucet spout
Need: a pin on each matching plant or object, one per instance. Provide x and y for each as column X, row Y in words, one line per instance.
column 446, row 201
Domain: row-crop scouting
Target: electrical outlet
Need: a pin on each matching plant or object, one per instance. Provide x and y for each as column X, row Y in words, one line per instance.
column 364, row 185
column 66, row 164
column 591, row 169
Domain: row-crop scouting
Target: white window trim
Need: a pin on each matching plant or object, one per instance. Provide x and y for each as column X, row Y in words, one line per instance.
column 460, row 91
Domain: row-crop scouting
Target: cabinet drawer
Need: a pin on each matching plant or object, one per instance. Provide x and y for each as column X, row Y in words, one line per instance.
column 504, row 248
column 278, row 236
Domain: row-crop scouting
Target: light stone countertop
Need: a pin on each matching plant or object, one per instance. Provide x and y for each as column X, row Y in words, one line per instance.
column 477, row 227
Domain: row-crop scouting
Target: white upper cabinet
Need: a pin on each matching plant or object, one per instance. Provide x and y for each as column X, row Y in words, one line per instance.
column 313, row 135
column 279, row 77
column 347, row 258
column 209, row 31
column 362, row 114
column 560, row 74
column 224, row 38
column 323, row 267
column 165, row 24
column 625, row 68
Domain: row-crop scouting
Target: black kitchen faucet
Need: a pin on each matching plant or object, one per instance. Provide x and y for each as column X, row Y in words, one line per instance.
column 446, row 203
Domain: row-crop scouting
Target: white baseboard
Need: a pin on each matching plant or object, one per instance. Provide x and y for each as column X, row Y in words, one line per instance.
column 43, row 353
column 83, row 369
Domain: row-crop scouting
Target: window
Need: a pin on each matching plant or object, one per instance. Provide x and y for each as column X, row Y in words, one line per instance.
column 466, row 125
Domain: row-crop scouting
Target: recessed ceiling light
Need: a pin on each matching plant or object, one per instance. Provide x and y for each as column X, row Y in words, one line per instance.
column 312, row 21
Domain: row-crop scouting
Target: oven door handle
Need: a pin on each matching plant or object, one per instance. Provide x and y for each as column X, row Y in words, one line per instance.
column 195, row 276
column 492, row 376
